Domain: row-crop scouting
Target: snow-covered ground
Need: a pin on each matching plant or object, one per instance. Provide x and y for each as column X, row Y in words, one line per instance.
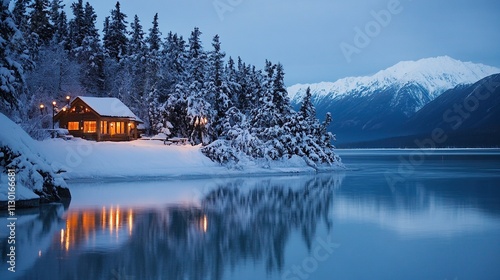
column 138, row 159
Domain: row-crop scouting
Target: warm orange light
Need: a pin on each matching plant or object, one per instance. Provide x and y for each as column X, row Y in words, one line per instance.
column 64, row 109
column 54, row 103
column 42, row 106
column 66, row 244
column 117, row 219
column 111, row 220
column 62, row 236
column 130, row 221
column 205, row 223
column 68, row 97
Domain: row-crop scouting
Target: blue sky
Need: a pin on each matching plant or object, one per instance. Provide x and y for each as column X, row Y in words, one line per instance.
column 324, row 40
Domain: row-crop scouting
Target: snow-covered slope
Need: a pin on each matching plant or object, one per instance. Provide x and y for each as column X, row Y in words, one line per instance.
column 34, row 177
column 434, row 74
column 371, row 107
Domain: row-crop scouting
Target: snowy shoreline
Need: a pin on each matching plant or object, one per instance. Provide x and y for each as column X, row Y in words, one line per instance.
column 139, row 160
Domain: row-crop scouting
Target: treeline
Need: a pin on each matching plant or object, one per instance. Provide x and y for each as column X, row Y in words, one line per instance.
column 175, row 85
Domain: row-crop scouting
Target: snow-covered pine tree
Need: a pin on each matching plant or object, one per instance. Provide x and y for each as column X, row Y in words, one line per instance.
column 176, row 72
column 91, row 55
column 40, row 21
column 199, row 100
column 156, row 95
column 135, row 61
column 217, row 85
column 14, row 61
column 77, row 25
column 116, row 38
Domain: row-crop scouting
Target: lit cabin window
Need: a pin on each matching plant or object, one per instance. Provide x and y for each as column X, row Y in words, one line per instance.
column 73, row 126
column 89, row 127
column 104, row 127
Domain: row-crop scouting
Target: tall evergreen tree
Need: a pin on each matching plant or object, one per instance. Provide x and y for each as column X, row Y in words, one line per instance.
column 14, row 61
column 307, row 109
column 154, row 40
column 90, row 54
column 77, row 25
column 116, row 35
column 40, row 21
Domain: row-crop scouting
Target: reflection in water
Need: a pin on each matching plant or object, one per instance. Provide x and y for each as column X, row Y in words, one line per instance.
column 235, row 222
column 35, row 229
column 256, row 221
column 86, row 226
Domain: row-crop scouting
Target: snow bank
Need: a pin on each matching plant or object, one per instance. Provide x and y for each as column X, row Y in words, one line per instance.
column 33, row 176
column 138, row 159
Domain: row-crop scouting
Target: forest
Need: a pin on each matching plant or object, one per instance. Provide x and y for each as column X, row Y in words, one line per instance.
column 176, row 86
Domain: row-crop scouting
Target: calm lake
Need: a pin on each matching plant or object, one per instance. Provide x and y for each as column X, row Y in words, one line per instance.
column 394, row 214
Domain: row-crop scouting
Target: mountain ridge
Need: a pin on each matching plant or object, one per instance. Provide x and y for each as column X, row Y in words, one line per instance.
column 371, row 107
column 404, row 72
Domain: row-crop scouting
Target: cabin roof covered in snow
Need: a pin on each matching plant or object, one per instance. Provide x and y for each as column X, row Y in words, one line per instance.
column 109, row 107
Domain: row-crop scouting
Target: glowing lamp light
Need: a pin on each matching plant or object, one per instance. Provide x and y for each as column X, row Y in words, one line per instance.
column 53, row 103
column 42, row 106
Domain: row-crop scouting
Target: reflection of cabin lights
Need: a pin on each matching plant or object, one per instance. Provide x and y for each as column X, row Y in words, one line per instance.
column 117, row 219
column 66, row 245
column 39, row 253
column 62, row 236
column 205, row 223
column 130, row 221
column 111, row 221
column 103, row 217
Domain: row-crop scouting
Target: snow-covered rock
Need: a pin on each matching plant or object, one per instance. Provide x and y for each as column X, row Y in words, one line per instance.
column 35, row 179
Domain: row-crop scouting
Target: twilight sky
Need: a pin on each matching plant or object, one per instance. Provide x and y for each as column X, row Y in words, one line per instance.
column 324, row 40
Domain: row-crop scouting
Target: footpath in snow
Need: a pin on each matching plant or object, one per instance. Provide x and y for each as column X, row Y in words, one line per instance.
column 139, row 159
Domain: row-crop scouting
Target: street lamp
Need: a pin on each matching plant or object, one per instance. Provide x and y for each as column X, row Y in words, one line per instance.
column 41, row 108
column 68, row 99
column 53, row 112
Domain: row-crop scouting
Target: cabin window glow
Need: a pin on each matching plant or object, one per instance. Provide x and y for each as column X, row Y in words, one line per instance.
column 104, row 127
column 89, row 126
column 73, row 126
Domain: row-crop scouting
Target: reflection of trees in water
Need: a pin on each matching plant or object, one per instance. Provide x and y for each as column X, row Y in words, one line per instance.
column 35, row 228
column 237, row 222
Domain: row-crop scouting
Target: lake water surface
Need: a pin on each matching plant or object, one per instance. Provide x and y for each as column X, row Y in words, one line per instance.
column 394, row 214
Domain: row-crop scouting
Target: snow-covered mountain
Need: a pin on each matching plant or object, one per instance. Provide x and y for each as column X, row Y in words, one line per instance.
column 369, row 106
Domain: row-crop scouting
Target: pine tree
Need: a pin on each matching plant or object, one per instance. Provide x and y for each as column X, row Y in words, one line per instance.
column 14, row 61
column 156, row 94
column 199, row 100
column 116, row 38
column 219, row 87
column 40, row 21
column 77, row 25
column 307, row 109
column 20, row 16
column 90, row 54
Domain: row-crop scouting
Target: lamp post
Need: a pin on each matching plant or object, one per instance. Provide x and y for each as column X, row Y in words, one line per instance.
column 68, row 98
column 53, row 113
column 41, row 108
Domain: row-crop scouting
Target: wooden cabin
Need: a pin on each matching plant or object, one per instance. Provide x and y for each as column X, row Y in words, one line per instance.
column 99, row 119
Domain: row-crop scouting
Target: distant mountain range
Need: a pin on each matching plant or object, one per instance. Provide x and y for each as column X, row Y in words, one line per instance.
column 407, row 100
